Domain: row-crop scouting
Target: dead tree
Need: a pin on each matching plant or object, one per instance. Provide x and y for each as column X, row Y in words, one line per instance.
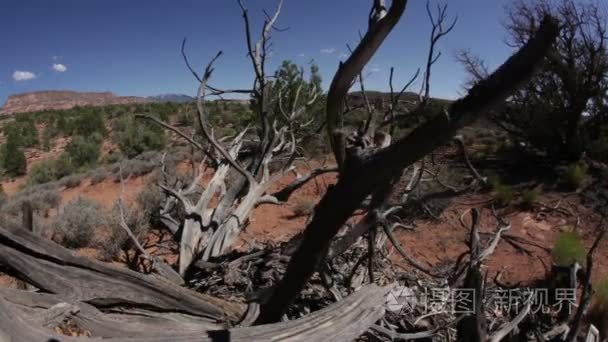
column 214, row 220
column 363, row 172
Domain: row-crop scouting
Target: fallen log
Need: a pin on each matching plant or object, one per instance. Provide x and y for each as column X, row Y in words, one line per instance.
column 342, row 321
column 57, row 270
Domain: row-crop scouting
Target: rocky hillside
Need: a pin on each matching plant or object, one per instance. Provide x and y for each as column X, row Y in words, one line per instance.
column 42, row 100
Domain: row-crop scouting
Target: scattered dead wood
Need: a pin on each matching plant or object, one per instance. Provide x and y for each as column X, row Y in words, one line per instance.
column 343, row 321
column 57, row 270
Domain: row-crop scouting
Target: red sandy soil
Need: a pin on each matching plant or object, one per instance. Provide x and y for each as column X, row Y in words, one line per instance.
column 441, row 242
column 432, row 242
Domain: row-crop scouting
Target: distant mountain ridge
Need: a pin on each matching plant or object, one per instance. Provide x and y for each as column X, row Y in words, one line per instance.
column 178, row 98
column 63, row 99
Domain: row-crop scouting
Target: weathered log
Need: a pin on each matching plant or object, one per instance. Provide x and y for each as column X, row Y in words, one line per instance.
column 57, row 270
column 39, row 308
column 342, row 321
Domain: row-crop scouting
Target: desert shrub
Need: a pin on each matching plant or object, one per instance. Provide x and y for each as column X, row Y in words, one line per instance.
column 12, row 158
column 185, row 118
column 135, row 136
column 78, row 221
column 112, row 157
column 118, row 240
column 63, row 166
column 139, row 168
column 50, row 170
column 574, row 175
column 503, row 193
column 529, row 198
column 84, row 151
column 41, row 198
column 150, row 199
column 41, row 173
column 45, row 144
column 71, row 181
column 133, row 168
column 304, row 208
column 568, row 249
column 149, row 202
column 99, row 175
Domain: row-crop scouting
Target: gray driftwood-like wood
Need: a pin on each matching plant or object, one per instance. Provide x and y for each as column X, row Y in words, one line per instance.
column 49, row 310
column 57, row 270
column 342, row 321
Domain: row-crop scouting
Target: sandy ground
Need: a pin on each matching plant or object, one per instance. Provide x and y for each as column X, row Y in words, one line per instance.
column 432, row 242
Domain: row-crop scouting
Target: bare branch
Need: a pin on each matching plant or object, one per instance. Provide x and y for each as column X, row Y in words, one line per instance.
column 204, row 124
column 379, row 167
column 352, row 67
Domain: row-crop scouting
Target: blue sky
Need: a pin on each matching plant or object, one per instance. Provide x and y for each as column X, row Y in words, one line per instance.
column 133, row 47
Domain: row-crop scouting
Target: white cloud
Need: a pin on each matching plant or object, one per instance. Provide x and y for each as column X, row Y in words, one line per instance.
column 59, row 67
column 328, row 51
column 301, row 55
column 343, row 55
column 23, row 75
column 374, row 68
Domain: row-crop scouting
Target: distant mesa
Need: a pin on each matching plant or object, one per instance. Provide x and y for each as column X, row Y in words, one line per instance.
column 59, row 99
column 178, row 98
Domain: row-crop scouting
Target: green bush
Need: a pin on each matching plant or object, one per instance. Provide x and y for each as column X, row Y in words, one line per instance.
column 42, row 172
column 77, row 223
column 23, row 131
column 112, row 157
column 50, row 170
column 503, row 193
column 84, row 151
column 574, row 175
column 46, row 139
column 89, row 122
column 134, row 136
column 12, row 158
column 63, row 166
column 568, row 249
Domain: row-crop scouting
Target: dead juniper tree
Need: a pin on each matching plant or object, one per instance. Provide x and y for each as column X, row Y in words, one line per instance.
column 365, row 173
column 377, row 130
column 215, row 218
